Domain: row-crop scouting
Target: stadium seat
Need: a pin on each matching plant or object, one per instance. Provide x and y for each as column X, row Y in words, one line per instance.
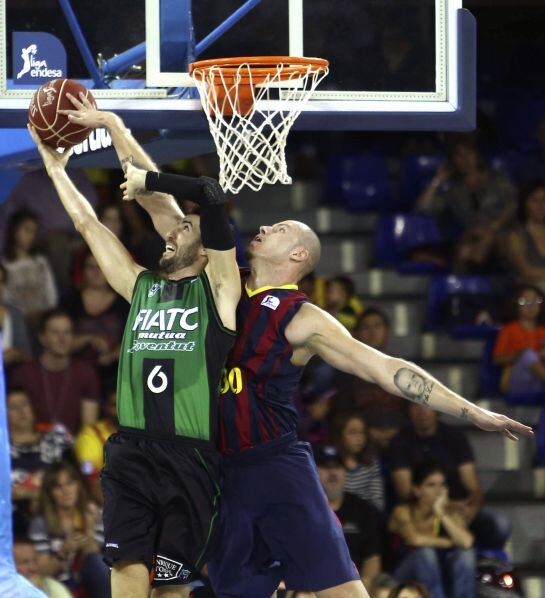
column 361, row 182
column 454, row 303
column 396, row 235
column 414, row 174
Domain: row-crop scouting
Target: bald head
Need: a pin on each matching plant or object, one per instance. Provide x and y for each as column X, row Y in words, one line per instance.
column 307, row 239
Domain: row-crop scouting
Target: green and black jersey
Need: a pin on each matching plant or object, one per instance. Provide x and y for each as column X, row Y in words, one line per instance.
column 172, row 355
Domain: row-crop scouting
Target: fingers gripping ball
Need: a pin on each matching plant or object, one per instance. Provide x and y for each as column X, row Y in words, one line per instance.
column 54, row 129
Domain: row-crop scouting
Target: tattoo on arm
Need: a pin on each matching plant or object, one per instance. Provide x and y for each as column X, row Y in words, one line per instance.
column 465, row 413
column 413, row 386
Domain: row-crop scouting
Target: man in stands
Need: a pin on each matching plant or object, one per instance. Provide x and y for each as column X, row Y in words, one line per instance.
column 63, row 390
column 359, row 518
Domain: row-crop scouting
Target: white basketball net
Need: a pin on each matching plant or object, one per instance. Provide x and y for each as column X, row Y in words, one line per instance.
column 251, row 147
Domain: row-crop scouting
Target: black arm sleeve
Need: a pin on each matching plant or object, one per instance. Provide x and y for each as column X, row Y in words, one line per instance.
column 216, row 231
column 200, row 190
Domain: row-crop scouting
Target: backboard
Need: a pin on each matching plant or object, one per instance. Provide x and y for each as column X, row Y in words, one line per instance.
column 395, row 64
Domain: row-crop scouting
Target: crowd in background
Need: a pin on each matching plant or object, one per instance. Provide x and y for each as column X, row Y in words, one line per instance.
column 403, row 484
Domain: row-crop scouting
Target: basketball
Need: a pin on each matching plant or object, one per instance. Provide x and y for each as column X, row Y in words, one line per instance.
column 53, row 128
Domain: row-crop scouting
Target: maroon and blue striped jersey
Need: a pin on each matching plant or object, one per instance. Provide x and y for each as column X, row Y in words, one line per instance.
column 259, row 380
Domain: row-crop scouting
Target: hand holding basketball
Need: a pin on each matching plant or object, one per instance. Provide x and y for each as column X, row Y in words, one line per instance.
column 84, row 113
column 135, row 182
column 53, row 159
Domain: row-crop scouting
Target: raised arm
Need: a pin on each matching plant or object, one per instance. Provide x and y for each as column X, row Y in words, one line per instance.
column 163, row 209
column 216, row 233
column 314, row 332
column 114, row 260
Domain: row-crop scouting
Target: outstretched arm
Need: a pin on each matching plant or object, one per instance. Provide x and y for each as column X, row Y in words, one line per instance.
column 163, row 209
column 315, row 332
column 114, row 260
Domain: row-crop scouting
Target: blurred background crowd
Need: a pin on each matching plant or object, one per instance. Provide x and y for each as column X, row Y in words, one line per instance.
column 460, row 220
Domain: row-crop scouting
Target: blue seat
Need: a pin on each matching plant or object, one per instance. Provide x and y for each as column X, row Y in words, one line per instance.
column 507, row 163
column 442, row 290
column 361, row 182
column 396, row 235
column 415, row 173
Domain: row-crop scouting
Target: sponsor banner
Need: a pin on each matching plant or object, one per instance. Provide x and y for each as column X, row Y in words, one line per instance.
column 37, row 58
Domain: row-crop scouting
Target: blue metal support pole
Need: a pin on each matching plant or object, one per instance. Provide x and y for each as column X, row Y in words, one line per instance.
column 122, row 62
column 82, row 43
column 225, row 26
column 136, row 54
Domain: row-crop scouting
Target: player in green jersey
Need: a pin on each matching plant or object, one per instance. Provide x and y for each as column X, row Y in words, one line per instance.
column 161, row 473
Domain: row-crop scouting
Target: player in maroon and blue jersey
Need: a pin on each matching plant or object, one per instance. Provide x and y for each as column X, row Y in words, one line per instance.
column 276, row 522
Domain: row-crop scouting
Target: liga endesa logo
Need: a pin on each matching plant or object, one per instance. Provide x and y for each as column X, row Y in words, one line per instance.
column 37, row 57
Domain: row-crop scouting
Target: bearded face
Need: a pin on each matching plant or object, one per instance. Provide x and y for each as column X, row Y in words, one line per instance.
column 174, row 259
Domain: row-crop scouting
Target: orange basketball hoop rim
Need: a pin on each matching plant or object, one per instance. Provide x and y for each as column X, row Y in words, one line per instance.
column 232, row 81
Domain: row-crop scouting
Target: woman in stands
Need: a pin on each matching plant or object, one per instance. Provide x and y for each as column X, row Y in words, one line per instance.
column 30, row 286
column 520, row 346
column 473, row 199
column 68, row 533
column 433, row 539
column 363, row 473
column 525, row 245
column 32, row 451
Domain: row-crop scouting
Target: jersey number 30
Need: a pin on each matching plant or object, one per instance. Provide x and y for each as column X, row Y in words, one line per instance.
column 231, row 381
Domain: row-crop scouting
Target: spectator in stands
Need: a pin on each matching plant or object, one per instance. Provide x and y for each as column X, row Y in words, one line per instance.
column 478, row 201
column 382, row 586
column 30, row 285
column 359, row 518
column 411, row 589
column 99, row 315
column 426, row 438
column 384, row 413
column 434, row 538
column 62, row 390
column 520, row 346
column 341, row 301
column 314, row 416
column 525, row 244
column 26, row 563
column 32, row 450
column 15, row 341
column 68, row 534
column 315, row 288
column 89, row 445
column 110, row 215
column 363, row 473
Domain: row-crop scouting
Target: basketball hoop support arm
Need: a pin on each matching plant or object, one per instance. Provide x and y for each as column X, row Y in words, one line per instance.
column 81, row 43
column 125, row 60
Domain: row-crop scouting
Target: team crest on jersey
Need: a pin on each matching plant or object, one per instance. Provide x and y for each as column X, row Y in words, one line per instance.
column 167, row 569
column 271, row 302
column 153, row 289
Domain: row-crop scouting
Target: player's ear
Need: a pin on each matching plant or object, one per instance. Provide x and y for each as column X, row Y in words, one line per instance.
column 299, row 254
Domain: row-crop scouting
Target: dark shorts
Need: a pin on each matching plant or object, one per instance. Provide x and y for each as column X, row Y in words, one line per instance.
column 161, row 502
column 276, row 525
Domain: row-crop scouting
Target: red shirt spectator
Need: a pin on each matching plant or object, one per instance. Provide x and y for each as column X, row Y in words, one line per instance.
column 61, row 389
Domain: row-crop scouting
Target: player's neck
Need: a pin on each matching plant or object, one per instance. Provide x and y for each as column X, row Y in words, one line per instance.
column 186, row 272
column 265, row 275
